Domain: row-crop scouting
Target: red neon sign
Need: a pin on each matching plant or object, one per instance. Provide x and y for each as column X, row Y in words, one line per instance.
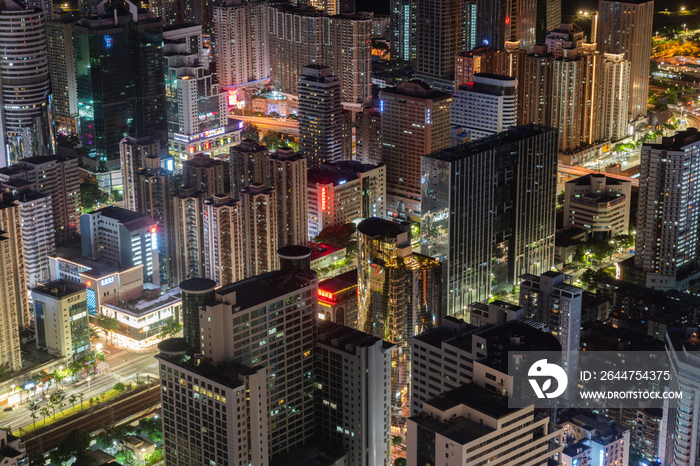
column 325, row 294
column 153, row 229
column 323, row 198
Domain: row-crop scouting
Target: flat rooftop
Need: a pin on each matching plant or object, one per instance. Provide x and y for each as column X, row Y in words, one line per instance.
column 339, row 282
column 139, row 307
column 59, row 288
column 323, row 249
column 224, row 374
column 260, row 289
column 379, row 227
column 131, row 220
column 338, row 173
column 346, row 338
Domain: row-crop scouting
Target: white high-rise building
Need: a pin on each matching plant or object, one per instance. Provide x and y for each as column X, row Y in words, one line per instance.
column 616, row 96
column 320, row 108
column 487, row 106
column 680, row 437
column 26, row 120
column 36, row 212
column 260, row 229
column 668, row 212
column 242, row 50
column 224, row 256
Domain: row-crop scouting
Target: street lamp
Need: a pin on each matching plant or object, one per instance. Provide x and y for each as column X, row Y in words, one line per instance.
column 98, row 347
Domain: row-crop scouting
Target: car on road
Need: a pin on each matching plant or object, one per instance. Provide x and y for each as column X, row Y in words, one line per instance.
column 8, row 409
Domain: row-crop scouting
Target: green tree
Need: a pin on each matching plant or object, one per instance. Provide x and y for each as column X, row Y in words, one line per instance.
column 590, row 277
column 126, row 457
column 119, row 387
column 91, row 195
column 37, row 458
column 170, row 329
column 34, row 412
column 155, row 457
column 340, row 235
column 396, row 440
column 73, row 399
column 560, row 200
column 73, row 444
column 116, row 195
column 85, row 460
column 45, row 413
column 400, row 462
column 81, row 395
column 152, row 428
column 251, row 131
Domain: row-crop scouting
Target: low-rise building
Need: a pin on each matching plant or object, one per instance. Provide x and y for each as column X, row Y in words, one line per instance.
column 325, row 254
column 609, row 441
column 337, row 299
column 61, row 318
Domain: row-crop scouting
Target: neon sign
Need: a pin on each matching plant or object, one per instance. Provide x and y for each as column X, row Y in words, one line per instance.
column 107, row 281
column 323, row 198
column 325, row 294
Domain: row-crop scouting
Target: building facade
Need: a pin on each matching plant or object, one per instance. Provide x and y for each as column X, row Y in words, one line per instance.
column 598, row 204
column 224, row 256
column 36, row 213
column 61, row 318
column 260, row 232
column 286, row 172
column 616, row 96
column 248, row 165
column 439, row 36
column 59, row 39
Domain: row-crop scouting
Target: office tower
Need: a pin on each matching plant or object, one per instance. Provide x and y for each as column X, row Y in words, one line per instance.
column 467, row 63
column 285, row 348
column 346, row 134
column 456, row 425
column 415, row 122
column 260, row 228
column 248, row 165
column 195, row 103
column 368, row 359
column 439, row 36
column 399, row 295
column 224, row 256
column 121, row 238
column 616, row 95
column 340, row 42
column 487, row 106
column 553, row 300
column 59, row 40
column 536, row 87
column 234, row 389
column 681, row 437
column 343, row 192
column 626, row 28
column 26, row 117
column 36, row 212
column 447, row 348
column 598, row 204
column 286, row 173
column 196, row 293
column 667, row 217
column 188, row 237
column 61, row 317
column 337, row 299
column 205, row 174
column 565, row 36
column 56, row 176
column 507, row 62
column 320, row 125
column 593, row 100
column 177, row 12
column 134, row 155
column 125, row 95
column 470, row 24
column 241, row 50
column 403, row 30
column 368, row 126
column 495, row 230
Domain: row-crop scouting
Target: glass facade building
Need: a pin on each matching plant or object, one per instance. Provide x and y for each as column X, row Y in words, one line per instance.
column 196, row 292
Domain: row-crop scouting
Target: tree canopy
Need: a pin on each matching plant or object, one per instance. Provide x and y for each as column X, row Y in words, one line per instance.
column 340, row 235
column 91, row 195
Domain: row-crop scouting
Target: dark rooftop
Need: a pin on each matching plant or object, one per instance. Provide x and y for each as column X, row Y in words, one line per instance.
column 197, row 285
column 266, row 287
column 379, row 227
column 59, row 288
column 294, row 252
column 131, row 220
column 685, row 339
column 483, row 400
column 339, row 282
column 346, row 338
column 337, row 173
column 226, row 374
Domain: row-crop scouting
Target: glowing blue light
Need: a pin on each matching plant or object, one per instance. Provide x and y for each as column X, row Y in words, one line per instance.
column 486, row 42
column 342, row 182
column 240, row 125
column 109, row 41
column 381, row 106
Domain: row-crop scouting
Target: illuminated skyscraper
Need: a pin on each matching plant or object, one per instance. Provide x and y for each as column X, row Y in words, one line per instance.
column 260, row 233
column 439, row 37
column 403, row 30
column 224, row 256
column 286, row 172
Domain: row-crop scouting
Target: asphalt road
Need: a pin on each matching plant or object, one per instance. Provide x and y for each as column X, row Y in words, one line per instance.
column 290, row 127
column 121, row 367
column 95, row 422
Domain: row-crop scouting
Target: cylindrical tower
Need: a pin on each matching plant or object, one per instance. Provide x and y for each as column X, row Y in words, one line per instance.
column 294, row 258
column 196, row 292
column 25, row 82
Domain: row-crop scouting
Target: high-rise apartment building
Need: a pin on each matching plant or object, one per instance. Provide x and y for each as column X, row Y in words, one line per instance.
column 667, row 213
column 399, row 295
column 681, row 437
column 64, row 101
column 470, row 62
column 439, row 36
column 196, row 293
column 61, row 318
column 342, row 192
column 13, row 293
column 415, row 121
column 599, row 204
column 626, row 28
column 286, row 172
column 472, row 423
column 616, row 96
column 403, row 29
column 178, row 11
column 499, row 226
column 188, row 205
column 195, row 104
column 121, row 238
column 299, row 36
column 26, row 117
column 283, row 342
column 56, row 176
column 135, row 154
column 241, row 36
column 527, row 22
column 536, row 87
column 368, row 359
column 206, row 174
column 457, row 353
column 320, row 115
column 260, row 232
column 248, row 165
column 125, row 95
column 224, row 256
column 487, row 106
column 470, row 24
column 565, row 36
column 368, row 127
column 553, row 300
column 36, row 212
column 15, row 276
